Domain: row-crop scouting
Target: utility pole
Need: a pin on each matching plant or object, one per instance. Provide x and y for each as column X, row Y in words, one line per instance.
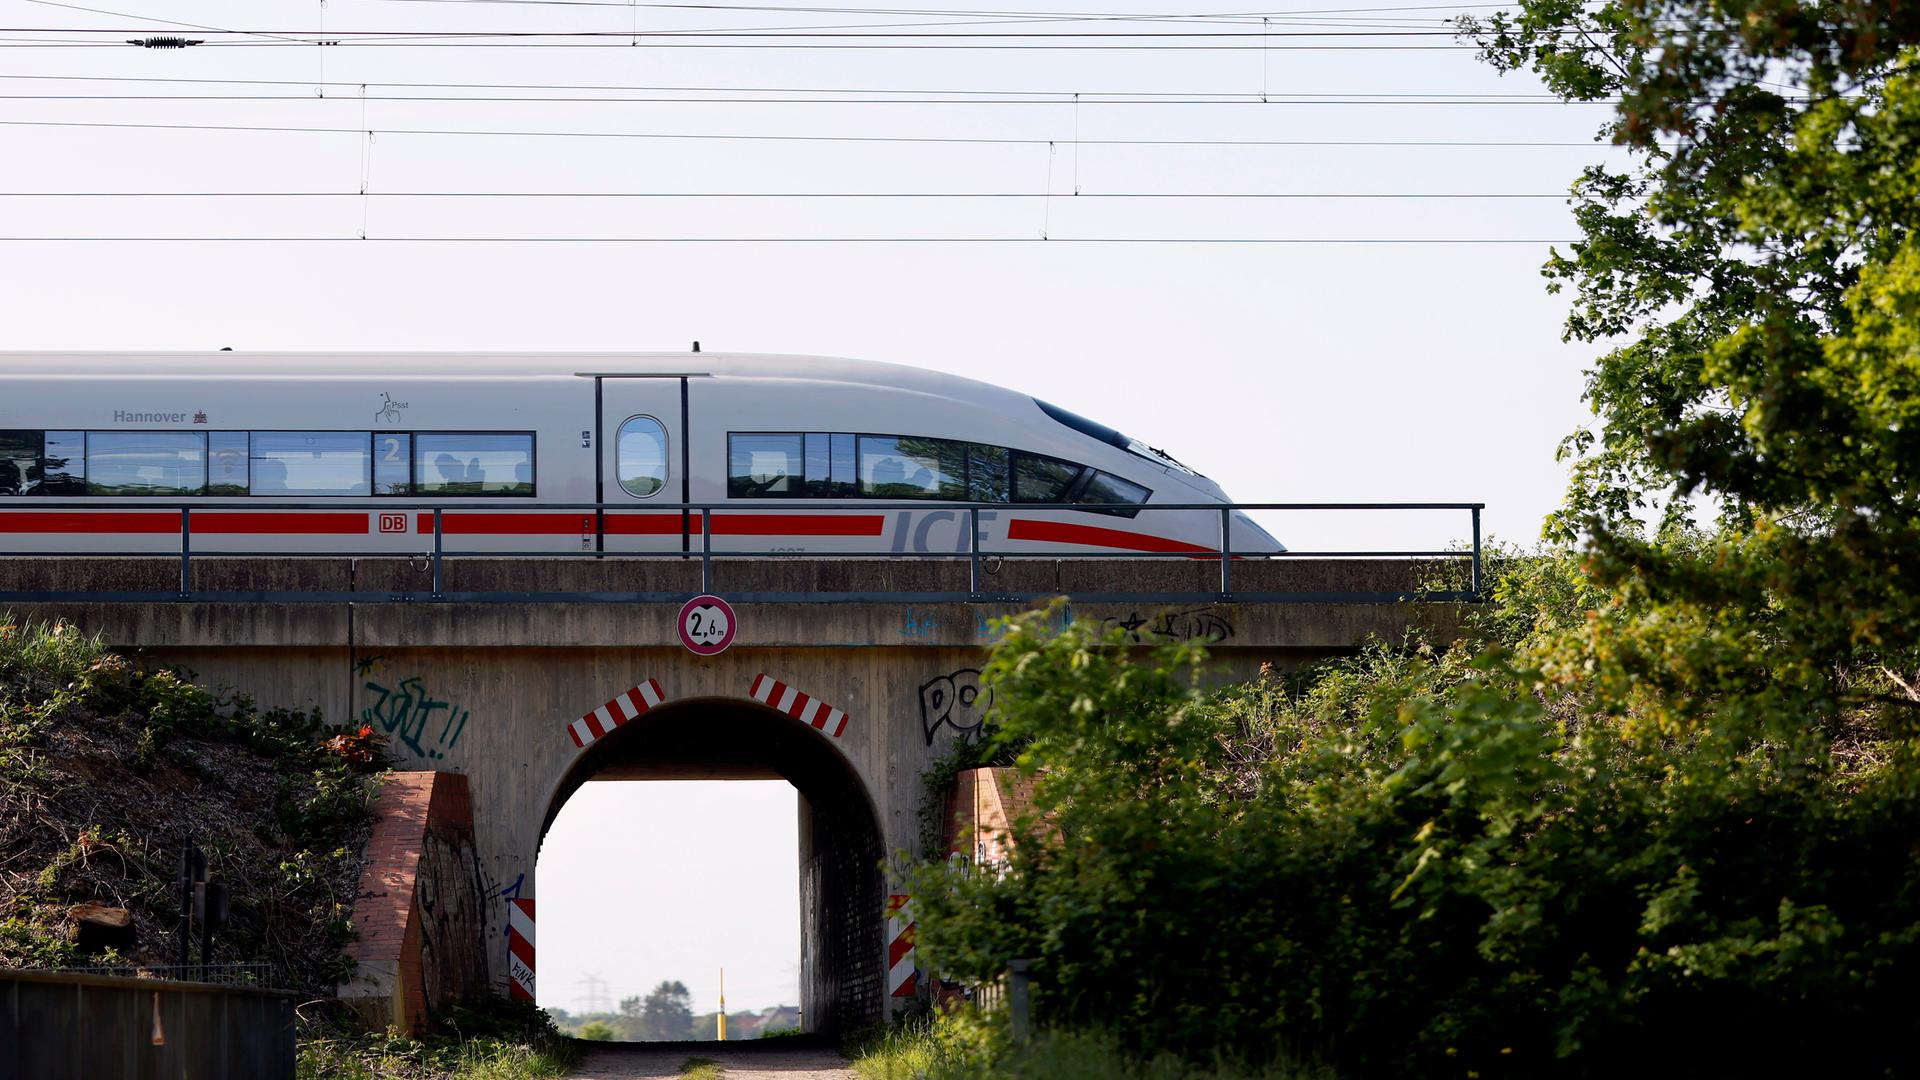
column 720, row 1021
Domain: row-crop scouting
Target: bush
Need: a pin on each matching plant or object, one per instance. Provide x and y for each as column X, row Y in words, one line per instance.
column 502, row 1041
column 1495, row 860
column 105, row 768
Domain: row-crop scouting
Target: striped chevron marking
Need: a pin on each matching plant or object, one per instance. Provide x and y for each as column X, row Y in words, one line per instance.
column 520, row 949
column 771, row 691
column 901, row 978
column 614, row 713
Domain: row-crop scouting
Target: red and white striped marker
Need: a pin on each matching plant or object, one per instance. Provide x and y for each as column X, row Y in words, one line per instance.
column 771, row 691
column 614, row 713
column 902, row 980
column 520, row 949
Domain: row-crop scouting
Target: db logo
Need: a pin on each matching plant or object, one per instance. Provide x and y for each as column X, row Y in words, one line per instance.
column 393, row 523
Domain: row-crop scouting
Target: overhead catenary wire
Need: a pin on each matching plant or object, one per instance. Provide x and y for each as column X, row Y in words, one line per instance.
column 356, row 194
column 818, row 46
column 983, row 140
column 1062, row 96
column 1150, row 240
column 530, row 99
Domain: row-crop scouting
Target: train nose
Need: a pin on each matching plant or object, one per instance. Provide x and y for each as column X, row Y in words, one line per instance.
column 1250, row 539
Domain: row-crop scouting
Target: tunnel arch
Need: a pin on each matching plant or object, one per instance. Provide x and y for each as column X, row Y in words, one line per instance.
column 842, row 887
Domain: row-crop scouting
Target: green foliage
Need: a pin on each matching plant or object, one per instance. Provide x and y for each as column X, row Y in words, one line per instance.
column 502, row 1041
column 667, row 1012
column 596, row 1031
column 964, row 1046
column 1512, row 859
column 105, row 766
column 695, row 1068
column 505, row 1041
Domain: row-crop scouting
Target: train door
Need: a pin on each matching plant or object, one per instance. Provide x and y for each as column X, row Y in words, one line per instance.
column 642, row 463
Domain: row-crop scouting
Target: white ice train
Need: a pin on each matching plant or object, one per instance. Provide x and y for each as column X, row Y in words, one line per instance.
column 796, row 454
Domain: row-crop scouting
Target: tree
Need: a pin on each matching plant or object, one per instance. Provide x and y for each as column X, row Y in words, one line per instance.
column 667, row 1013
column 1756, row 273
column 596, row 1031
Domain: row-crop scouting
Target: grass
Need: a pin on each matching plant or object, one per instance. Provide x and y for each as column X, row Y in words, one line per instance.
column 702, row 1069
column 500, row 1042
column 397, row 1058
column 966, row 1048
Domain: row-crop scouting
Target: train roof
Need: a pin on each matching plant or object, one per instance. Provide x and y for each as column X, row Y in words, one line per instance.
column 483, row 366
column 478, row 365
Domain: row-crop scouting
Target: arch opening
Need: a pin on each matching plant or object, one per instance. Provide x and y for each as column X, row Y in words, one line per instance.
column 842, row 891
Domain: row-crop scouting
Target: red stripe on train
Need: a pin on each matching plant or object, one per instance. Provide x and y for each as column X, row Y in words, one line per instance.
column 1066, row 532
column 215, row 522
column 73, row 521
column 577, row 524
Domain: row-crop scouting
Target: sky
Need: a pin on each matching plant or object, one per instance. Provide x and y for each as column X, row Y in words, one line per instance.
column 711, row 882
column 1286, row 371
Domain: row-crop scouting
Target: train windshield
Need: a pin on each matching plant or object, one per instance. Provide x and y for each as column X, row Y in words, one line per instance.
column 1111, row 437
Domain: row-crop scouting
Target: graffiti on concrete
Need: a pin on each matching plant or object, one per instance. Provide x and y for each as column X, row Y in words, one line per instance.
column 955, row 700
column 1198, row 624
column 507, row 894
column 989, row 629
column 364, row 665
column 452, row 963
column 419, row 721
column 918, row 624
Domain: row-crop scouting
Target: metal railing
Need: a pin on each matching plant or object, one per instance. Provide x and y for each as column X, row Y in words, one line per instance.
column 257, row 974
column 698, row 521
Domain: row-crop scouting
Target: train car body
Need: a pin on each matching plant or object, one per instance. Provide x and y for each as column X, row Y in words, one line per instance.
column 796, row 454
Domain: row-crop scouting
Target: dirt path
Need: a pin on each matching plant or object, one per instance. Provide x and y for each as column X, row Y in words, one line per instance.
column 775, row 1059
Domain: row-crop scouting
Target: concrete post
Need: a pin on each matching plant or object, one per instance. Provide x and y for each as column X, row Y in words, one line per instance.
column 1019, row 1001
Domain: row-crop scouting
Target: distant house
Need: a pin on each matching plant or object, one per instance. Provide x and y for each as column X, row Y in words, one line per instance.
column 778, row 1018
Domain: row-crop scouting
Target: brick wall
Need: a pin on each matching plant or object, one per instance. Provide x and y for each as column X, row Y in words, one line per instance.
column 982, row 808
column 842, row 897
column 420, row 930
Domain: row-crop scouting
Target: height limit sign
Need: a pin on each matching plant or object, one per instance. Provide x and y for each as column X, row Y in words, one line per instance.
column 707, row 625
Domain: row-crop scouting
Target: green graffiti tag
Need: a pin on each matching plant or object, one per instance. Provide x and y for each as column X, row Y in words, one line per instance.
column 407, row 712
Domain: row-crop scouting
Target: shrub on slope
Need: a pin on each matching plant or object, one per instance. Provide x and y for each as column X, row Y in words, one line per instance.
column 107, row 770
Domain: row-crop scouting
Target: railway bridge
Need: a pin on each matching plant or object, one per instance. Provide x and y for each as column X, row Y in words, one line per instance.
column 503, row 684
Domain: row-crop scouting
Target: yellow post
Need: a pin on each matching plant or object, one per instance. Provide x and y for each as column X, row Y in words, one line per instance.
column 720, row 1021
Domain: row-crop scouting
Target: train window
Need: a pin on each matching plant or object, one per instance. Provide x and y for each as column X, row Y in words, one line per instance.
column 321, row 463
column 1107, row 488
column 19, row 462
column 472, row 464
column 226, row 463
column 641, row 457
column 987, row 476
column 1039, row 479
column 392, row 463
column 147, row 463
column 763, row 466
column 911, row 467
column 63, row 463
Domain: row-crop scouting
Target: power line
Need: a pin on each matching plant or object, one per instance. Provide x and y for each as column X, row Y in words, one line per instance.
column 1157, row 240
column 778, row 195
column 944, row 11
column 1064, row 96
column 314, row 37
column 528, row 99
column 765, row 45
column 729, row 137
